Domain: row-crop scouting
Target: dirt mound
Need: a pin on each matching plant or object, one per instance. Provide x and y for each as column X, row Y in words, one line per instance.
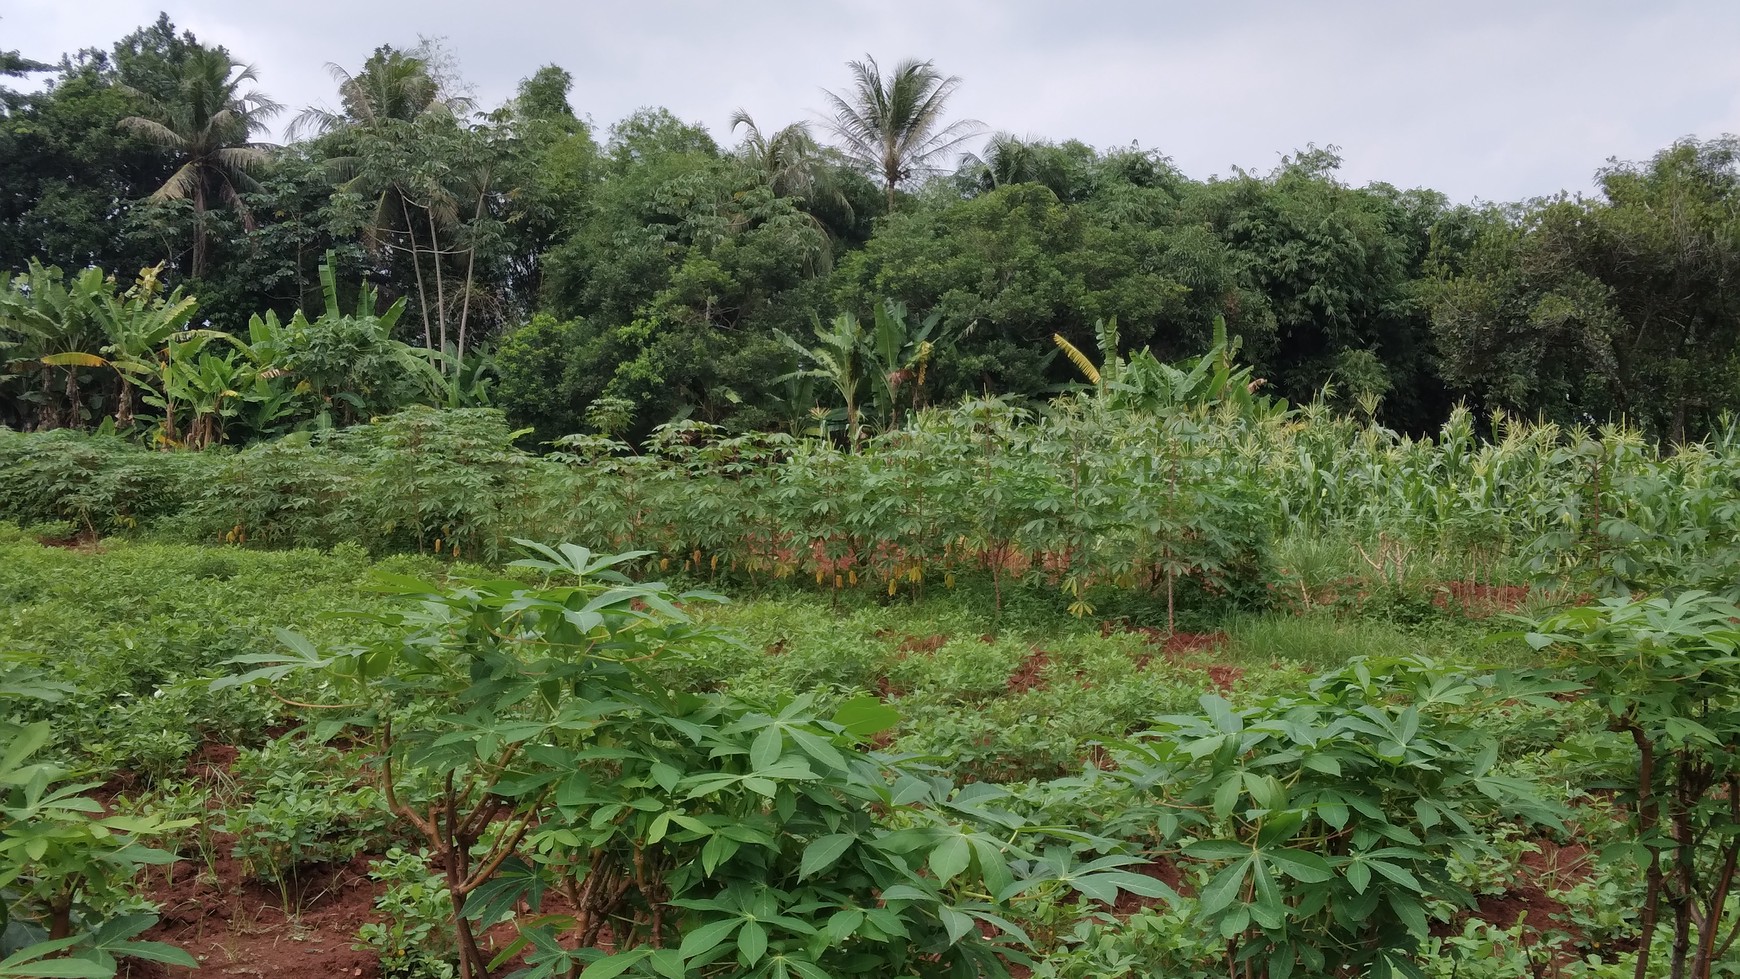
column 211, row 760
column 1030, row 675
column 1224, row 677
column 1190, row 650
column 1161, row 869
column 1477, row 601
column 1527, row 900
column 236, row 926
column 924, row 646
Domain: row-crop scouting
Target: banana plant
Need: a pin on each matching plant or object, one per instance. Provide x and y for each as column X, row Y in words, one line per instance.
column 883, row 363
column 138, row 325
column 84, row 324
column 1142, row 382
column 796, row 401
column 51, row 321
column 209, row 387
column 348, row 366
column 839, row 360
column 901, row 353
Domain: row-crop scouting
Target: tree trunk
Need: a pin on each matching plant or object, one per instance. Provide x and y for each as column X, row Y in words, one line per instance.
column 73, row 415
column 417, row 269
column 1718, row 902
column 1646, row 819
column 470, row 266
column 60, row 918
column 199, row 229
column 46, row 418
column 440, row 287
column 124, row 404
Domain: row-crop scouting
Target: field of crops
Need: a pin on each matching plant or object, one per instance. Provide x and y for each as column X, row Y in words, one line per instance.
column 1166, row 681
column 451, row 529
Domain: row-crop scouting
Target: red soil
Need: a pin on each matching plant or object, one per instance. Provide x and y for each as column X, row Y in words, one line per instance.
column 1223, row 677
column 1161, row 869
column 1191, row 650
column 1477, row 601
column 85, row 542
column 237, row 926
column 212, row 759
column 1526, row 899
column 1030, row 675
column 926, row 646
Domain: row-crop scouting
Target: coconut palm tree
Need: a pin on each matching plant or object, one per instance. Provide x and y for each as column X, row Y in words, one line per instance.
column 786, row 160
column 1007, row 159
column 210, row 123
column 893, row 126
column 393, row 86
column 792, row 164
column 398, row 141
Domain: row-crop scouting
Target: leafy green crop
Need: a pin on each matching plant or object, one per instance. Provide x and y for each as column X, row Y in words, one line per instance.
column 64, row 872
column 710, row 835
column 1666, row 671
column 1323, row 825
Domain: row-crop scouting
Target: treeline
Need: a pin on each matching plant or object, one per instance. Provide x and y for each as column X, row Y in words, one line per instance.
column 611, row 281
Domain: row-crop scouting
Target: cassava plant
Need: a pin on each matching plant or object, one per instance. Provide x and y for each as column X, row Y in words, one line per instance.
column 521, row 729
column 1666, row 671
column 65, row 871
column 1322, row 826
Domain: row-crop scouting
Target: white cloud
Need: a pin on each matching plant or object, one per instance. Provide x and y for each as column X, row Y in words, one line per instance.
column 1483, row 99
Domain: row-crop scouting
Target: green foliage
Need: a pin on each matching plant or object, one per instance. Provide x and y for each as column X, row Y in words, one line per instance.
column 711, row 835
column 457, row 482
column 61, row 330
column 64, row 871
column 1664, row 671
column 674, row 265
column 304, row 807
column 74, row 173
column 208, row 124
column 115, row 630
column 1150, row 942
column 100, row 484
column 339, row 368
column 125, row 629
column 415, row 941
column 331, row 371
column 1601, row 307
column 892, row 126
column 1322, row 826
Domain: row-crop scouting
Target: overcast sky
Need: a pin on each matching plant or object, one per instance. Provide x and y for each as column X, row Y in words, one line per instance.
column 1491, row 99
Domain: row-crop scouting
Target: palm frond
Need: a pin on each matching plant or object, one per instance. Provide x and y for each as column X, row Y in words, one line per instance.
column 156, row 132
column 180, row 186
column 242, row 160
column 1079, row 359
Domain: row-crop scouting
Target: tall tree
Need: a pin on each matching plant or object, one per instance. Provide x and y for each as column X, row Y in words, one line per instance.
column 70, row 177
column 893, row 126
column 393, row 87
column 15, row 65
column 399, row 147
column 554, row 170
column 786, row 159
column 1616, row 305
column 209, row 123
column 1327, row 277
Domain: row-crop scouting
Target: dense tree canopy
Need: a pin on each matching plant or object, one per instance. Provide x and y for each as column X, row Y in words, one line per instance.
column 620, row 278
